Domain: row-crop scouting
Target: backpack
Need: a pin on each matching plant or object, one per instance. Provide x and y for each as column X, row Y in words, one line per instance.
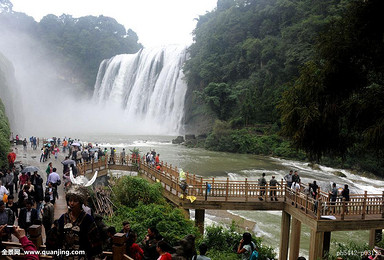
column 254, row 255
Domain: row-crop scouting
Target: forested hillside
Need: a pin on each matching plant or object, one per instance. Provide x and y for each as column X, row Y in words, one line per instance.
column 76, row 44
column 5, row 131
column 247, row 53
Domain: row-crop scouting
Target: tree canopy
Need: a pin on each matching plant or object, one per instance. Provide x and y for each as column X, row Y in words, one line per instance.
column 337, row 102
column 253, row 49
column 78, row 45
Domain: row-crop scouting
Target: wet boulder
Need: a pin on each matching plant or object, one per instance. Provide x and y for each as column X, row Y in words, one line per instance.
column 178, row 140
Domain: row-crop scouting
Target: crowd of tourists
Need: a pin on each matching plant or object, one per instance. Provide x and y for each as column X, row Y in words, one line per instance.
column 28, row 200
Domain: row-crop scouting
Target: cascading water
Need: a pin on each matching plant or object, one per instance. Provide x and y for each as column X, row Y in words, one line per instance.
column 147, row 87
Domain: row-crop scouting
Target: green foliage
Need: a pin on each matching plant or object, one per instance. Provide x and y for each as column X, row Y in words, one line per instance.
column 249, row 140
column 220, row 99
column 222, row 241
column 170, row 221
column 350, row 251
column 252, row 49
column 130, row 191
column 143, row 205
column 76, row 46
column 336, row 105
column 5, row 133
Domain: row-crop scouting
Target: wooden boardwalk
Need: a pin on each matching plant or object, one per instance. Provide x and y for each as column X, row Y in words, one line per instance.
column 363, row 211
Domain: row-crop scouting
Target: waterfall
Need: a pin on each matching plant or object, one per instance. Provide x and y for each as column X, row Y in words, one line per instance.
column 147, row 88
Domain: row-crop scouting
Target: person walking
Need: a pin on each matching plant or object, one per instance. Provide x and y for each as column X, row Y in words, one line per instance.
column 54, row 178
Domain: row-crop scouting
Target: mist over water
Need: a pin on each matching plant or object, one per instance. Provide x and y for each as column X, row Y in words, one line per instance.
column 145, row 94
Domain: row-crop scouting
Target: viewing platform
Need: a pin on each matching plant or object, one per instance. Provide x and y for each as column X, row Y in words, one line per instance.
column 363, row 211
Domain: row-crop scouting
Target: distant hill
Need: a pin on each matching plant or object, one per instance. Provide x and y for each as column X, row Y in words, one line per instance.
column 74, row 46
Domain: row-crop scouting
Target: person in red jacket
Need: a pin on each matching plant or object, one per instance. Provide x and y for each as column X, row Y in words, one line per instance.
column 162, row 248
column 26, row 244
column 11, row 159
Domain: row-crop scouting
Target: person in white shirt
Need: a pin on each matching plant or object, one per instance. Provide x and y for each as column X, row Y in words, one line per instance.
column 3, row 190
column 203, row 250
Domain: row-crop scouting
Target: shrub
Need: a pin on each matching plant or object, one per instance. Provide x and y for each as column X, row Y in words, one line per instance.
column 170, row 221
column 129, row 191
column 223, row 242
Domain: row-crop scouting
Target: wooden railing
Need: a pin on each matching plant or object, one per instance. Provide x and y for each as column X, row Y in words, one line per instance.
column 223, row 190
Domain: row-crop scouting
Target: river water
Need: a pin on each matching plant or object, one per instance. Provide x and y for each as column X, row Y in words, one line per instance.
column 239, row 166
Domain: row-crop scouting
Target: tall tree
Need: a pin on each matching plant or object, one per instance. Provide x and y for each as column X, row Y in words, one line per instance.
column 337, row 102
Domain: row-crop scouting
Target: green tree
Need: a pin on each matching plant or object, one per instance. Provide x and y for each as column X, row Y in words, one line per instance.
column 336, row 103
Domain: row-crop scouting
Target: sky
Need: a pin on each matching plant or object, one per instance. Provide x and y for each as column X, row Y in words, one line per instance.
column 156, row 22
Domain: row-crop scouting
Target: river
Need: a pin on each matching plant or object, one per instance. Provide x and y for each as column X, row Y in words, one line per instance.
column 239, row 166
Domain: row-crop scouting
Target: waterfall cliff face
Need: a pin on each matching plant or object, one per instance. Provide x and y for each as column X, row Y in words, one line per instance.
column 147, row 87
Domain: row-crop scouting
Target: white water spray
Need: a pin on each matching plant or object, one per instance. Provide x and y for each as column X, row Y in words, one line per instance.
column 147, row 87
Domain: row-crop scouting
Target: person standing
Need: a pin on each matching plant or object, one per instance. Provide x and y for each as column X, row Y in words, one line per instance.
column 313, row 188
column 8, row 181
column 76, row 229
column 296, row 177
column 345, row 195
column 23, row 179
column 48, row 213
column 288, row 179
column 27, row 216
column 333, row 195
column 122, row 157
column 6, row 218
column 49, row 169
column 273, row 186
column 15, row 178
column 25, row 144
column 157, row 159
column 37, row 182
column 54, row 178
column 161, row 249
column 203, row 248
column 133, row 250
column 3, row 191
column 149, row 243
column 11, row 159
column 262, row 183
column 13, row 206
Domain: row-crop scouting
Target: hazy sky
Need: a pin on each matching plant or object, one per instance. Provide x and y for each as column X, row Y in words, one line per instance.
column 157, row 22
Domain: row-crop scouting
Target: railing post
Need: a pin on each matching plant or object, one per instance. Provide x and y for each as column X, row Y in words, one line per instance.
column 382, row 205
column 306, row 204
column 342, row 208
column 319, row 208
column 206, row 191
column 246, row 189
column 213, row 182
column 364, row 205
column 266, row 188
column 282, row 188
column 227, row 188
